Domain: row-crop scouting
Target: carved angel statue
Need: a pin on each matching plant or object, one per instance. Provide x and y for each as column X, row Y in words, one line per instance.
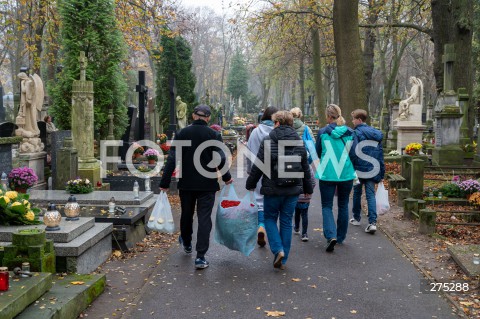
column 414, row 97
column 31, row 101
column 181, row 112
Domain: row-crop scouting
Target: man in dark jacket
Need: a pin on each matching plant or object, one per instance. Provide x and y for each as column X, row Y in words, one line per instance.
column 198, row 182
column 371, row 170
column 281, row 191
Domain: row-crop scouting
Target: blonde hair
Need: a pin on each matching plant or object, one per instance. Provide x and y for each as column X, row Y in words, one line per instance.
column 296, row 112
column 335, row 113
column 283, row 117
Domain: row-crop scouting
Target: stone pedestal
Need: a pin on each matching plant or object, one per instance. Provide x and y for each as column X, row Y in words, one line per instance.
column 90, row 170
column 6, row 152
column 408, row 132
column 35, row 161
column 66, row 163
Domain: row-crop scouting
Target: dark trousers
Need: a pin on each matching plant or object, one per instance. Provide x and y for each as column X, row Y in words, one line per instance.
column 301, row 210
column 204, row 202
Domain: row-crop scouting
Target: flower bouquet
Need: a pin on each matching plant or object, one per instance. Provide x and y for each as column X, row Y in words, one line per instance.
column 79, row 186
column 394, row 153
column 413, row 149
column 15, row 209
column 216, row 127
column 22, row 178
column 138, row 149
column 469, row 186
column 162, row 138
column 474, row 199
column 152, row 155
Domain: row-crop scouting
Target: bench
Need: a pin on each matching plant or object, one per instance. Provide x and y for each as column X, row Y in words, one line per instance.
column 396, row 181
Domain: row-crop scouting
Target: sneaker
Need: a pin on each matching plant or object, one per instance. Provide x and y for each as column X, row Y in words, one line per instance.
column 283, row 267
column 261, row 237
column 355, row 222
column 371, row 228
column 304, row 237
column 201, row 263
column 186, row 248
column 331, row 245
column 296, row 231
column 277, row 262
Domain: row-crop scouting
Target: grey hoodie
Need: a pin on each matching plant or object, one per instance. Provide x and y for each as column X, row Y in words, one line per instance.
column 256, row 138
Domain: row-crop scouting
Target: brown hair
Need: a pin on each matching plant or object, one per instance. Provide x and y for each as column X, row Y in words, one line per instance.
column 283, row 117
column 46, row 118
column 267, row 114
column 335, row 113
column 360, row 114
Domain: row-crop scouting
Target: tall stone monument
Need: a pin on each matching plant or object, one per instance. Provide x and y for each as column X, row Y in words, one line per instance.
column 82, row 125
column 31, row 152
column 448, row 117
column 409, row 121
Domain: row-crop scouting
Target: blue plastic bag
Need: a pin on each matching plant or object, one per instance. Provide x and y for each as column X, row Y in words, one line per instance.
column 236, row 227
column 309, row 146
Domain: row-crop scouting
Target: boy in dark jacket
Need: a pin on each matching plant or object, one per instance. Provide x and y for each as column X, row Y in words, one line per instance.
column 370, row 170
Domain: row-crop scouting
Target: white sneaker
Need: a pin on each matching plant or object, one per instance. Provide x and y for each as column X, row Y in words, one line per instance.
column 371, row 228
column 355, row 222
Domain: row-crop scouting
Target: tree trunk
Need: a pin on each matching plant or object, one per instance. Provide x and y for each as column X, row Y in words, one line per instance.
column 317, row 75
column 441, row 29
column 351, row 75
column 369, row 46
column 301, row 83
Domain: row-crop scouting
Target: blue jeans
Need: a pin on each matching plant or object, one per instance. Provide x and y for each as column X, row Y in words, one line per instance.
column 301, row 210
column 327, row 191
column 282, row 207
column 371, row 202
column 261, row 219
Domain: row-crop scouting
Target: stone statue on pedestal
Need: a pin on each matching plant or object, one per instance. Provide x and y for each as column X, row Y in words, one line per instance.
column 181, row 108
column 415, row 97
column 31, row 102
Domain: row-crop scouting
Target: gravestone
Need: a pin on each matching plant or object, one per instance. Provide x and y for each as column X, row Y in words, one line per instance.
column 57, row 143
column 7, row 130
column 2, row 108
column 127, row 137
column 66, row 164
column 142, row 90
column 82, row 124
column 448, row 117
column 42, row 126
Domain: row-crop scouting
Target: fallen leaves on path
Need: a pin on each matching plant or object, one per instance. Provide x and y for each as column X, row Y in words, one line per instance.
column 275, row 313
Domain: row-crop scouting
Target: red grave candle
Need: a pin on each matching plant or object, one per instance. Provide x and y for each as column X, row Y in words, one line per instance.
column 4, row 278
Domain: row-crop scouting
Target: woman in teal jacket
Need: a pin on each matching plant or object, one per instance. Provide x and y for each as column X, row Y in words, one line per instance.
column 335, row 174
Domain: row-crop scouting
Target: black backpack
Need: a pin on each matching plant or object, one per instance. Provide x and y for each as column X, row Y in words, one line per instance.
column 288, row 167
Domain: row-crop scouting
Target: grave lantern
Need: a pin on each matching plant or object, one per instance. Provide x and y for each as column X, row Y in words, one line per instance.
column 4, row 181
column 148, row 184
column 111, row 205
column 72, row 209
column 136, row 189
column 52, row 218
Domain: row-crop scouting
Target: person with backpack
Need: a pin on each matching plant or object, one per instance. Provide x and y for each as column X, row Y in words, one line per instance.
column 287, row 155
column 370, row 171
column 335, row 173
column 254, row 139
column 301, row 209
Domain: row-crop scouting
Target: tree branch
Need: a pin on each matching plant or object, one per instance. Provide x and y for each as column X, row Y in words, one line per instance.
column 427, row 31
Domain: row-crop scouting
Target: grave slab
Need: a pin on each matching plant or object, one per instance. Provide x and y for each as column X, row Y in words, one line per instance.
column 463, row 256
column 70, row 300
column 22, row 293
column 42, row 197
column 69, row 230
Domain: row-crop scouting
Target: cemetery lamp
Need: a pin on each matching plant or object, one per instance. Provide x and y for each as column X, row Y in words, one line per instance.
column 148, row 184
column 136, row 190
column 4, row 181
column 52, row 218
column 72, row 209
column 111, row 205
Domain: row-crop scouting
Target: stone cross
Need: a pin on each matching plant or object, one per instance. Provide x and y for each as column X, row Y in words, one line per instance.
column 448, row 59
column 83, row 65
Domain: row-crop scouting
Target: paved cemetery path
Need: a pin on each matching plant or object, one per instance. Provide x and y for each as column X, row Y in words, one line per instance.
column 367, row 277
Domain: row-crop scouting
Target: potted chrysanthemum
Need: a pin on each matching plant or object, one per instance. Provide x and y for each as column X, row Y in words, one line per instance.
column 152, row 155
column 22, row 178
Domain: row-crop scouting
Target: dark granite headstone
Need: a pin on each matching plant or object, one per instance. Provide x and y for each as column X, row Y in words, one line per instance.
column 42, row 126
column 57, row 143
column 7, row 129
column 129, row 131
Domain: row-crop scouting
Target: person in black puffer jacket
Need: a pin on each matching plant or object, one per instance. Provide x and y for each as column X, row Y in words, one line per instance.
column 370, row 172
column 281, row 192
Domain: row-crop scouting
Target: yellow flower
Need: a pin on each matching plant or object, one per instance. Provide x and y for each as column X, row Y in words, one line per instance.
column 26, row 203
column 16, row 204
column 30, row 215
column 6, row 199
column 11, row 194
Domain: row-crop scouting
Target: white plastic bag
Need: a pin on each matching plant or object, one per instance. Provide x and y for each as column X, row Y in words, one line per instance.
column 161, row 219
column 381, row 198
